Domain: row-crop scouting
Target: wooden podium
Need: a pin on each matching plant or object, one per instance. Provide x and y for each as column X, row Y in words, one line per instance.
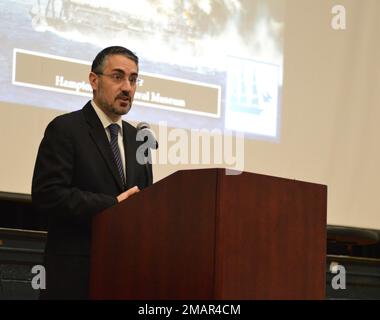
column 202, row 234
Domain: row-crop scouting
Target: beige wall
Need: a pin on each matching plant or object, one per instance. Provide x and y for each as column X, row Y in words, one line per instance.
column 21, row 130
column 329, row 114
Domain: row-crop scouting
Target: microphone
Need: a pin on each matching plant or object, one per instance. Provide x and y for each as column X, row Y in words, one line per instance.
column 144, row 130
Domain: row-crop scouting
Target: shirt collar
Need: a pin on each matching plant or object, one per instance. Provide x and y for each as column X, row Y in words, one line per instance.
column 105, row 120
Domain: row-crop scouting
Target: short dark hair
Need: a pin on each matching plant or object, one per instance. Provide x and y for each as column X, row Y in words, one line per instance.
column 98, row 63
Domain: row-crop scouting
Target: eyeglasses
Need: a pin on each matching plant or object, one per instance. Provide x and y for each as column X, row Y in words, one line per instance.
column 119, row 77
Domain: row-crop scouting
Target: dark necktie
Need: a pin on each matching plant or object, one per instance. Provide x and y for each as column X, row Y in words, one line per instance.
column 114, row 130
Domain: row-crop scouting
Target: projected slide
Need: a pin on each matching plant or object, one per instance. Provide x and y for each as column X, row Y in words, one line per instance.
column 203, row 64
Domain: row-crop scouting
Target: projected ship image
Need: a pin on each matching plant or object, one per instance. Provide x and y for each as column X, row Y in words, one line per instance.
column 231, row 47
column 182, row 32
column 163, row 18
column 179, row 25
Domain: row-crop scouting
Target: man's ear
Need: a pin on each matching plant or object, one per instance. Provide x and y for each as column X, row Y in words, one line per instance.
column 93, row 78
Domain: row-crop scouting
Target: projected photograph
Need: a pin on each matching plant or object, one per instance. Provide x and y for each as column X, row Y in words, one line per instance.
column 204, row 64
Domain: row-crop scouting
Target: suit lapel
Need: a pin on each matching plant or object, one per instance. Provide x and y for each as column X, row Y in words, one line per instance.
column 99, row 136
column 129, row 139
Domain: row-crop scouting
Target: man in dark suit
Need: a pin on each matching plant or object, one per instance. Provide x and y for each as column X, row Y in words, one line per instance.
column 86, row 163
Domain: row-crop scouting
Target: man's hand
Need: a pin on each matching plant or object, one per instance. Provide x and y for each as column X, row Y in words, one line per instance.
column 127, row 194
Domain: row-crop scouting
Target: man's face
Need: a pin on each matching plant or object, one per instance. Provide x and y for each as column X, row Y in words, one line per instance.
column 115, row 87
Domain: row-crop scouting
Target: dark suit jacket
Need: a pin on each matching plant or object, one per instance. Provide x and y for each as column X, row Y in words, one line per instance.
column 76, row 177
